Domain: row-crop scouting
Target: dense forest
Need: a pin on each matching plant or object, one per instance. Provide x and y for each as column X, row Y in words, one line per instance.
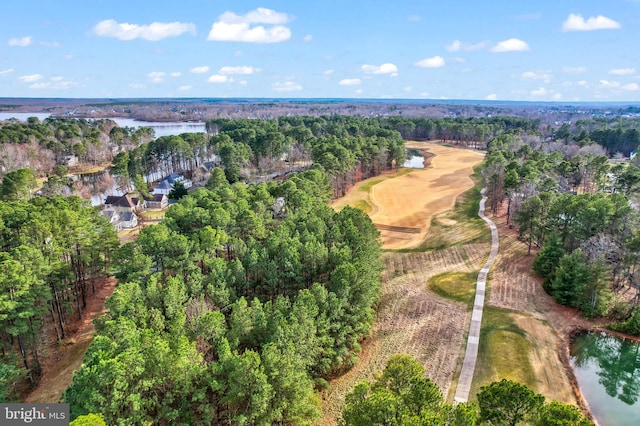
column 233, row 311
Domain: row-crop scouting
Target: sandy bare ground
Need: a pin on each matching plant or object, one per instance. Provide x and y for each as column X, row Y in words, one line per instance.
column 411, row 200
column 410, row 318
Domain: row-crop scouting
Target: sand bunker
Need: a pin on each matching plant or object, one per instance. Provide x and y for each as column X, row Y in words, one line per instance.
column 403, row 206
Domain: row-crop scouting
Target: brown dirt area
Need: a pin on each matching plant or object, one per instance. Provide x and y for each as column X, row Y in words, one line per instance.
column 66, row 357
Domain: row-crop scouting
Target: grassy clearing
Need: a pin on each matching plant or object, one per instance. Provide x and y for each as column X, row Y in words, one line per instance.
column 504, row 351
column 363, row 205
column 458, row 286
column 154, row 214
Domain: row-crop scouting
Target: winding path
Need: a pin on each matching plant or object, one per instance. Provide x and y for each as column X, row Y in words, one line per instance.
column 471, row 354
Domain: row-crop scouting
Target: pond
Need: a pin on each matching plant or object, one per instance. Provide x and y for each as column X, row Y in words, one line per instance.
column 415, row 160
column 608, row 371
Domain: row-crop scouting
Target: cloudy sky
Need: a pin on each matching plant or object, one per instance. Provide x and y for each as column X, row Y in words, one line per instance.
column 566, row 51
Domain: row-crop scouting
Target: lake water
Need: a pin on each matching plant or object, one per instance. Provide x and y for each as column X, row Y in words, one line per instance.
column 163, row 129
column 608, row 371
column 160, row 128
column 22, row 116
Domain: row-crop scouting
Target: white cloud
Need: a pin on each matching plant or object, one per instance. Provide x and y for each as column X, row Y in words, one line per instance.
column 156, row 76
column 358, row 91
column 349, row 82
column 510, row 45
column 217, row 78
column 184, row 88
column 243, row 82
column 455, row 46
column 387, row 68
column 49, row 44
column 609, row 84
column 623, row 71
column 328, row 72
column 31, row 78
column 176, row 74
column 137, row 86
column 408, row 89
column 243, row 70
column 287, row 86
column 232, row 27
column 583, row 83
column 631, row 87
column 574, row 70
column 54, row 83
column 435, row 62
column 491, row 97
column 199, row 70
column 537, row 75
column 458, row 45
column 576, row 22
column 308, row 38
column 7, row 71
column 541, row 91
column 152, row 32
column 19, row 41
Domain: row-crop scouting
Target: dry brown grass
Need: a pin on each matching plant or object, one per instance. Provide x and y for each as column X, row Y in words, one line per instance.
column 410, row 318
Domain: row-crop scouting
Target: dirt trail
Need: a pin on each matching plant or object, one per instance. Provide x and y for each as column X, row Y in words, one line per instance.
column 66, row 358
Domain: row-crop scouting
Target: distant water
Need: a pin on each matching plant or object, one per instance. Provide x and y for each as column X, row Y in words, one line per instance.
column 22, row 116
column 608, row 372
column 161, row 128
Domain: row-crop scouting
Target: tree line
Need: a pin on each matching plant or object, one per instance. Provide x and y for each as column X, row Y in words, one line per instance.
column 576, row 207
column 402, row 395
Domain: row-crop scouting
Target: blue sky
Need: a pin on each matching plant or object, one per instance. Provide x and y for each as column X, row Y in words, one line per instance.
column 565, row 51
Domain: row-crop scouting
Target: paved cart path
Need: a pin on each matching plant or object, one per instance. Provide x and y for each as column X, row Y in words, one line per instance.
column 471, row 354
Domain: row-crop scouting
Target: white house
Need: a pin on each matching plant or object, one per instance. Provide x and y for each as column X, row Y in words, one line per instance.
column 165, row 186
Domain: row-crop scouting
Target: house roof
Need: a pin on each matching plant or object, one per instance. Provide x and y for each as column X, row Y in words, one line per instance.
column 165, row 184
column 127, row 217
column 110, row 214
column 121, row 201
column 174, row 177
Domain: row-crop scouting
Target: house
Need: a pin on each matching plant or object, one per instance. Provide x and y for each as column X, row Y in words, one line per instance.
column 157, row 201
column 114, row 218
column 128, row 220
column 165, row 186
column 175, row 177
column 123, row 203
